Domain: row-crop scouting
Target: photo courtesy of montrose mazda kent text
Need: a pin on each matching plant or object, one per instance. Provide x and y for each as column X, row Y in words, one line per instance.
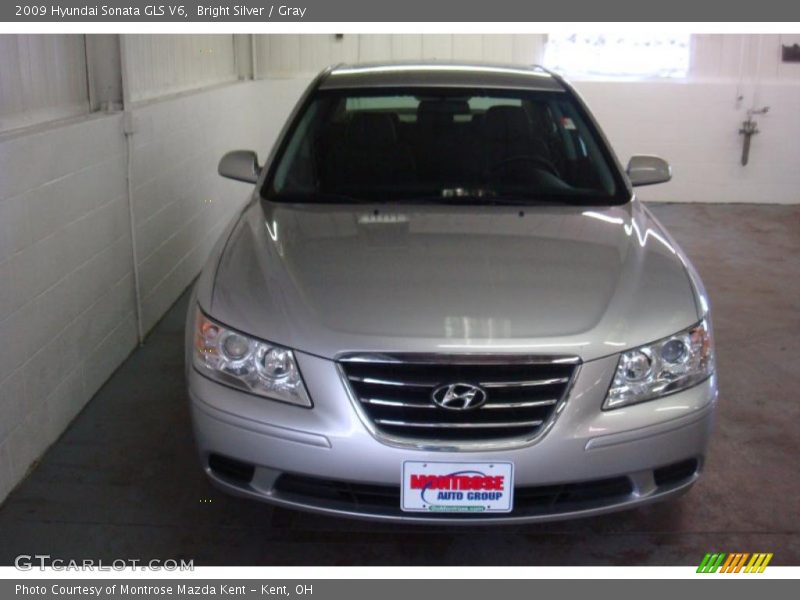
column 443, row 303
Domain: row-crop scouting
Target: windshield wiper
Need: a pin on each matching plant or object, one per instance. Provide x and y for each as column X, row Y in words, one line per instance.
column 492, row 199
column 479, row 197
column 520, row 200
column 319, row 198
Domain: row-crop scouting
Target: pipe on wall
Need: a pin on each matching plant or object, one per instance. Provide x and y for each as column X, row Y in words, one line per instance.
column 128, row 130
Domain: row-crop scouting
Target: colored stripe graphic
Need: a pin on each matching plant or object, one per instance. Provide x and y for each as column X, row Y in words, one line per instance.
column 741, row 562
column 717, row 563
column 734, row 562
column 766, row 562
column 711, row 562
column 703, row 563
column 758, row 563
column 728, row 566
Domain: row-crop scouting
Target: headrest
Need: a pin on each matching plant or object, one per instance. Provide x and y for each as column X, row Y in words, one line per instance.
column 506, row 123
column 371, row 129
column 541, row 121
column 440, row 113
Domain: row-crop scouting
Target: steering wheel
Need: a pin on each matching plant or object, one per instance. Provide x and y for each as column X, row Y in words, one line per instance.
column 540, row 162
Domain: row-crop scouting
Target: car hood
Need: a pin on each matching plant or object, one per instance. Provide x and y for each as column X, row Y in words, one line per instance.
column 329, row 279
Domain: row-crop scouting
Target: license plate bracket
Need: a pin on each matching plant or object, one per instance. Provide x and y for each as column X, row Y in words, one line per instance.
column 457, row 487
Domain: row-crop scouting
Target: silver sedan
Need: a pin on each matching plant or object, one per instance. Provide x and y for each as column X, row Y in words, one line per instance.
column 443, row 303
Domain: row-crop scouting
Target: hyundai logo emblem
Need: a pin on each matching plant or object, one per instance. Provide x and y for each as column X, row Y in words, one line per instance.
column 459, row 396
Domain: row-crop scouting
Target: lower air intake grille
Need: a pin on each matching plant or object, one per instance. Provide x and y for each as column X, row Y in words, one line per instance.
column 386, row 499
column 231, row 469
column 506, row 397
column 675, row 473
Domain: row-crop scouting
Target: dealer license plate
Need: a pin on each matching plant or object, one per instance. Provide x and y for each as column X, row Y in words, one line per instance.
column 486, row 487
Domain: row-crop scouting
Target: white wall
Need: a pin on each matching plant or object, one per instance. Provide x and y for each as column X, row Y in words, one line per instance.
column 714, row 56
column 304, row 55
column 180, row 203
column 695, row 126
column 694, row 123
column 66, row 288
column 752, row 57
column 67, row 300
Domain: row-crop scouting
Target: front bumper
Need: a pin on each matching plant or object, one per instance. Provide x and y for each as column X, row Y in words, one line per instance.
column 325, row 460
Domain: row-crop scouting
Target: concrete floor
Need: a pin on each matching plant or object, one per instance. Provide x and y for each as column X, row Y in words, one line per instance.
column 123, row 481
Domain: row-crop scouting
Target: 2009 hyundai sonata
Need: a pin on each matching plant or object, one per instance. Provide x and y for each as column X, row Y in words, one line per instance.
column 444, row 303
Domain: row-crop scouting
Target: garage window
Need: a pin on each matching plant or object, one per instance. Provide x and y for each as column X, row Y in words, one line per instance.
column 44, row 79
column 625, row 55
column 161, row 65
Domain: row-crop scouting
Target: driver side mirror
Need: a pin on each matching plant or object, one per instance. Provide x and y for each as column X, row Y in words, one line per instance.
column 648, row 170
column 241, row 165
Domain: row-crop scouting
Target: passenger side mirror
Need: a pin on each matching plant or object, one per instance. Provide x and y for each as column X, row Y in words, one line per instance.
column 648, row 170
column 241, row 165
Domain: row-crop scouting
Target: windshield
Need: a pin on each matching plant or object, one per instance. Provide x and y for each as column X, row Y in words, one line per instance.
column 450, row 145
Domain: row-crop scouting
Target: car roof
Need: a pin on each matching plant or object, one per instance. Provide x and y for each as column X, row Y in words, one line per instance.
column 440, row 74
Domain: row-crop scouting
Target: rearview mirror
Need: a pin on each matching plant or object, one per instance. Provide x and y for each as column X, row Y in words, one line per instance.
column 648, row 170
column 241, row 165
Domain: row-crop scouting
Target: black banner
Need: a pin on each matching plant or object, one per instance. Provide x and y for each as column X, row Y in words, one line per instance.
column 444, row 11
column 730, row 588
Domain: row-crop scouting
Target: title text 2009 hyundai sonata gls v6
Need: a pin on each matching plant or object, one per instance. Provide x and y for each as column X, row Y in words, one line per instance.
column 443, row 303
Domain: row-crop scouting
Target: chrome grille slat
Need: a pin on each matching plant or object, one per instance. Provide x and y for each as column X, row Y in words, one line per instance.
column 390, row 382
column 393, row 395
column 397, row 403
column 483, row 384
column 534, row 383
column 489, row 406
column 530, row 404
column 481, row 359
column 469, row 425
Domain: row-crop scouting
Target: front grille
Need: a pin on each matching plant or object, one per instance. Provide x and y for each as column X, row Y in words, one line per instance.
column 395, row 394
column 379, row 499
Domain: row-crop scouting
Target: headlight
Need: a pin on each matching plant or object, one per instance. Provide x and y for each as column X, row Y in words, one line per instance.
column 246, row 363
column 663, row 367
